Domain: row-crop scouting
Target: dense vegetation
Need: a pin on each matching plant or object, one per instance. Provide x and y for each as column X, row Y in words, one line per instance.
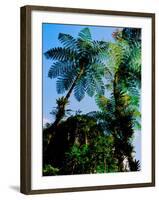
column 99, row 141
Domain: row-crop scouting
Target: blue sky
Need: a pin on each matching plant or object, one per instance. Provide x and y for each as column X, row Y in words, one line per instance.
column 50, row 40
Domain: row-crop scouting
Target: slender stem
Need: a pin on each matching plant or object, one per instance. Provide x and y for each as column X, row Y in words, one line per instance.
column 61, row 111
column 73, row 84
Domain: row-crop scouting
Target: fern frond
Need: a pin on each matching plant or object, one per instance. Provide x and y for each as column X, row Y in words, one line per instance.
column 60, row 68
column 101, row 101
column 60, row 86
column 79, row 90
column 100, row 89
column 118, row 54
column 64, row 82
column 99, row 48
column 85, row 34
column 68, row 41
column 135, row 61
column 90, row 86
column 61, row 54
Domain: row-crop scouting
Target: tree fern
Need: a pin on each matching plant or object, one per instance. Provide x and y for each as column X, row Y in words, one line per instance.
column 68, row 41
column 61, row 54
column 85, row 35
column 121, row 115
column 65, row 81
column 78, row 56
column 60, row 68
column 135, row 61
column 80, row 88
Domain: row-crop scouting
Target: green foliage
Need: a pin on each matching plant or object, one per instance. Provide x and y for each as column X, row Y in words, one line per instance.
column 135, row 60
column 95, row 157
column 117, row 54
column 103, row 149
column 60, row 110
column 68, row 41
column 58, row 68
column 65, row 81
column 80, row 88
column 101, row 101
column 135, row 165
column 120, row 114
column 85, row 35
column 82, row 56
column 50, row 170
column 61, row 54
column 78, row 159
column 97, row 142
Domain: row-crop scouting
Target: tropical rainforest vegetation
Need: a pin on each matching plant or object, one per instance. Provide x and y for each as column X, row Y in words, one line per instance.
column 110, row 72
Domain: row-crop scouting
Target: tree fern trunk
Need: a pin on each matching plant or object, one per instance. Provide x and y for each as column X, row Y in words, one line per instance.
column 61, row 112
column 73, row 85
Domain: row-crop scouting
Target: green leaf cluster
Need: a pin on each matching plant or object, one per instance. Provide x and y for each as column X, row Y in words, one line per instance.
column 81, row 55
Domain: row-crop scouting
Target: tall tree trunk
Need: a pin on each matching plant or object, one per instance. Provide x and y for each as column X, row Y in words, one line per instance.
column 73, row 84
column 66, row 98
column 61, row 112
column 52, row 130
column 120, row 113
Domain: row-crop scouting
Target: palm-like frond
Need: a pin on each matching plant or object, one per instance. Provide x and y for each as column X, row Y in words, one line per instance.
column 91, row 49
column 99, row 49
column 101, row 101
column 135, row 61
column 135, row 165
column 118, row 53
column 100, row 89
column 94, row 84
column 65, row 81
column 90, row 86
column 79, row 54
column 91, row 82
column 68, row 41
column 85, row 35
column 61, row 54
column 80, row 88
column 125, row 59
column 60, row 68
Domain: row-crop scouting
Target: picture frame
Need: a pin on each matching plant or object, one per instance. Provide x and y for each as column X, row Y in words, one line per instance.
column 32, row 18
